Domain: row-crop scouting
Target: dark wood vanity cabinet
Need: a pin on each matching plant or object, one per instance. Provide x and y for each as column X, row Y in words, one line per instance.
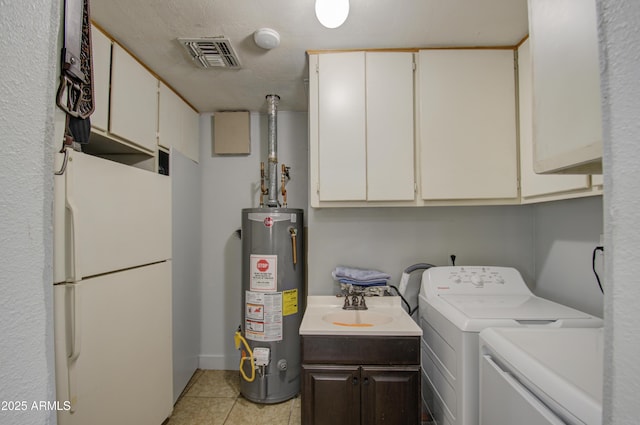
column 360, row 380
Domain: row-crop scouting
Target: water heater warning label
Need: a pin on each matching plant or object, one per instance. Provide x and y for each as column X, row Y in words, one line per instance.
column 263, row 316
column 289, row 302
column 264, row 272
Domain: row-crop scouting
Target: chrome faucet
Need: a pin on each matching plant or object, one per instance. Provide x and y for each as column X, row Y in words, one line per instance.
column 357, row 300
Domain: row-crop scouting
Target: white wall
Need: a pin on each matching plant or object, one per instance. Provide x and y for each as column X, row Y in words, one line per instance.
column 231, row 183
column 565, row 234
column 390, row 239
column 28, row 48
column 620, row 62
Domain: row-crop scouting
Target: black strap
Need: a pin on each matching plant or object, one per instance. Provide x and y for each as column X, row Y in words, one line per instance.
column 75, row 92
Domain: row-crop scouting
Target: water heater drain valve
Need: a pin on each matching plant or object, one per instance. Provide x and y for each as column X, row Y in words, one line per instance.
column 282, row 365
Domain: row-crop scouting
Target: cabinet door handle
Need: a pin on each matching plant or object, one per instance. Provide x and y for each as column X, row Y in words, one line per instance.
column 365, row 381
column 355, row 380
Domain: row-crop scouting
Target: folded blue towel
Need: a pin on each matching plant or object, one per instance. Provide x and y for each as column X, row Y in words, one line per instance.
column 360, row 275
column 375, row 282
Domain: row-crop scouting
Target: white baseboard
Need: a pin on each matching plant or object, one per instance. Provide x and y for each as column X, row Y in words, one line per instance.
column 218, row 362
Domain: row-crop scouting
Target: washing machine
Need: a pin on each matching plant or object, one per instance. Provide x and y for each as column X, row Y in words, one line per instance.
column 541, row 376
column 455, row 304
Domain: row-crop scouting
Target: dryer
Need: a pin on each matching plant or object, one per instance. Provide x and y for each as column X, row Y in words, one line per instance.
column 455, row 304
column 541, row 376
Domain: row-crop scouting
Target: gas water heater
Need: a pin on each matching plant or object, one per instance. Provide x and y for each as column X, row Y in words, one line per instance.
column 273, row 295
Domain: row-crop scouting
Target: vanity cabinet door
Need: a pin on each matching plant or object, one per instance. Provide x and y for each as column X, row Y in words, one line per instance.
column 390, row 395
column 332, row 395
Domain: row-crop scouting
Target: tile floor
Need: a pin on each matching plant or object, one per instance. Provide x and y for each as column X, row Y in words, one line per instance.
column 212, row 397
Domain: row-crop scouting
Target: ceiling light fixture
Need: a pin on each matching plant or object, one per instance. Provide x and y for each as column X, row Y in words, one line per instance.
column 267, row 38
column 332, row 13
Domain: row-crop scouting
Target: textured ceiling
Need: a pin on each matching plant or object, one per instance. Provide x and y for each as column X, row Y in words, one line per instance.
column 150, row 28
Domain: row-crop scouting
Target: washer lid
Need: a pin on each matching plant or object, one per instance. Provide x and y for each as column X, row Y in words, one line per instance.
column 515, row 307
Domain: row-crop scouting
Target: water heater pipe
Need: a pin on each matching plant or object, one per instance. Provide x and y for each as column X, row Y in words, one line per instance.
column 272, row 112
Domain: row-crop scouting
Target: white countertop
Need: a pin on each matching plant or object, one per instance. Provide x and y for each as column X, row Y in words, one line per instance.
column 319, row 306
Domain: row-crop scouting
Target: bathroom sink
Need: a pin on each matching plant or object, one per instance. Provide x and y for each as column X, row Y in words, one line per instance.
column 385, row 316
column 357, row 318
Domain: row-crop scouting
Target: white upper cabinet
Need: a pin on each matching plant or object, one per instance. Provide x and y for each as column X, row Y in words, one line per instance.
column 390, row 133
column 178, row 125
column 567, row 128
column 101, row 56
column 341, row 135
column 361, row 127
column 534, row 186
column 134, row 101
column 468, row 144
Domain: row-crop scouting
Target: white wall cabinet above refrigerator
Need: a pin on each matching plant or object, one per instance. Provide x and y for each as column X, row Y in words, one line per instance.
column 134, row 101
column 126, row 135
column 101, row 56
column 468, row 140
column 178, row 125
column 361, row 127
column 567, row 118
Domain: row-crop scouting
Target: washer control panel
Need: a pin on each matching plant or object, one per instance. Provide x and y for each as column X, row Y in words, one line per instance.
column 472, row 280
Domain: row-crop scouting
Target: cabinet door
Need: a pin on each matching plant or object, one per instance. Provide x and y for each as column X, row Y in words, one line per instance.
column 567, row 119
column 390, row 395
column 177, row 123
column 389, row 103
column 169, row 118
column 467, row 124
column 342, row 156
column 191, row 129
column 134, row 100
column 101, row 56
column 330, row 395
column 535, row 185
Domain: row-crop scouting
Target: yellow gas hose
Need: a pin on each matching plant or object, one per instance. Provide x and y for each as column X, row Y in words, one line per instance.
column 240, row 339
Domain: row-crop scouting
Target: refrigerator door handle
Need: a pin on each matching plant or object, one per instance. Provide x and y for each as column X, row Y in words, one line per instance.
column 73, row 273
column 74, row 321
column 73, row 342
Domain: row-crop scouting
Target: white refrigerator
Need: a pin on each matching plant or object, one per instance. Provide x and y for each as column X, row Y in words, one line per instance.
column 112, row 294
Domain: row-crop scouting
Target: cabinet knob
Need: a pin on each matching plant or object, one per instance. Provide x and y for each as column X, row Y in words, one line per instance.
column 365, row 381
column 355, row 380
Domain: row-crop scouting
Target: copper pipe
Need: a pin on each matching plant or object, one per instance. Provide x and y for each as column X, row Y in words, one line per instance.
column 282, row 185
column 294, row 244
column 263, row 188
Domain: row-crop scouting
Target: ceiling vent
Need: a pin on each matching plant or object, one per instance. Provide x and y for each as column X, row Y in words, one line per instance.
column 211, row 52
